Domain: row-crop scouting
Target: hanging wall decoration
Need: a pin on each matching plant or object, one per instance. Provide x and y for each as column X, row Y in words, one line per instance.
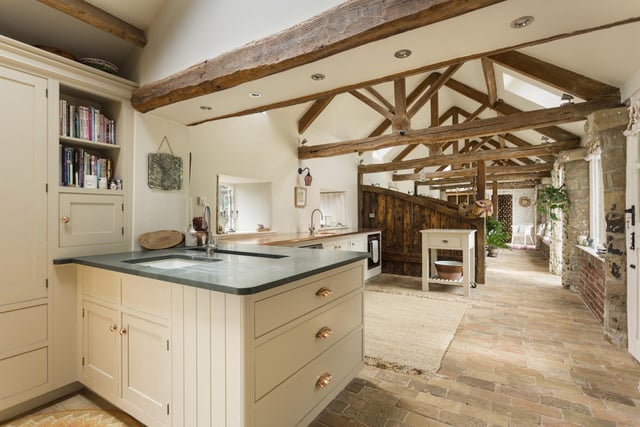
column 165, row 169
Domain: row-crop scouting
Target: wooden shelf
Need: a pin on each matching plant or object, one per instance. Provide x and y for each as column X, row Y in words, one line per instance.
column 85, row 143
column 79, row 190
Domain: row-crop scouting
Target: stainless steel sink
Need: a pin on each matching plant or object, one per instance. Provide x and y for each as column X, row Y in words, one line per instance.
column 169, row 262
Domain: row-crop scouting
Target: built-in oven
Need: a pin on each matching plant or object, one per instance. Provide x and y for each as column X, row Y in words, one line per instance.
column 373, row 245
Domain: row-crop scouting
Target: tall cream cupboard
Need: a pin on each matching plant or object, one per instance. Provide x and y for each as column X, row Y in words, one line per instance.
column 43, row 218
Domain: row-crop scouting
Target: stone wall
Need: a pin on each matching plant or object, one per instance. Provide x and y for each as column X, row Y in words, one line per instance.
column 592, row 289
column 576, row 219
column 604, row 129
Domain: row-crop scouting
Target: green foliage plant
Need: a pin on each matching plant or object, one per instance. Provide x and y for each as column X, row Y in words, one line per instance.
column 552, row 198
column 496, row 237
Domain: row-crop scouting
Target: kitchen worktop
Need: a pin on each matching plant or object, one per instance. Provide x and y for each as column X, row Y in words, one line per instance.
column 284, row 239
column 250, row 269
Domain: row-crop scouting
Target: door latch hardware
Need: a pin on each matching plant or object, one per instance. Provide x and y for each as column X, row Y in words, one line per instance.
column 632, row 211
column 633, row 240
column 632, row 266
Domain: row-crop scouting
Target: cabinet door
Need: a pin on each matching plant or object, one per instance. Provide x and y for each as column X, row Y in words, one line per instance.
column 90, row 219
column 23, row 177
column 146, row 369
column 101, row 347
column 359, row 243
column 342, row 244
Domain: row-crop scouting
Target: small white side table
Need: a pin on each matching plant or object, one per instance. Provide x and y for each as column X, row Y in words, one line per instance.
column 455, row 240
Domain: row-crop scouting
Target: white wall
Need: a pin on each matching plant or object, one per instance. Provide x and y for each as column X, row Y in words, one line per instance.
column 251, row 202
column 155, row 210
column 264, row 147
column 186, row 32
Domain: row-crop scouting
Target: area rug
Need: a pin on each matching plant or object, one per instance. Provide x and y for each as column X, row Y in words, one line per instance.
column 76, row 418
column 408, row 334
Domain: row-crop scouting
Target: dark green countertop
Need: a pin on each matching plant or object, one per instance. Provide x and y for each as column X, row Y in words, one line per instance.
column 238, row 273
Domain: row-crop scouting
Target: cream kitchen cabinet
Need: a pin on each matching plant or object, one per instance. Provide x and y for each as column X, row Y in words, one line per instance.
column 125, row 334
column 91, row 220
column 271, row 358
column 25, row 338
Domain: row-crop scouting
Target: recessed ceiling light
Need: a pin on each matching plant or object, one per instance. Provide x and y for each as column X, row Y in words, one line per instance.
column 402, row 53
column 205, row 107
column 318, row 76
column 255, row 94
column 523, row 21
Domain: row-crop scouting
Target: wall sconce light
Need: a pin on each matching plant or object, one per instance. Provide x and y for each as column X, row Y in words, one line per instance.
column 308, row 178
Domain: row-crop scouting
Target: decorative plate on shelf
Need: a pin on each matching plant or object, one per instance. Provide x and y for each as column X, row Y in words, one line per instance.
column 525, row 202
column 100, row 64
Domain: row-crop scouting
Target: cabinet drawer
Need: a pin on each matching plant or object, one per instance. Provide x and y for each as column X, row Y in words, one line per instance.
column 23, row 372
column 277, row 310
column 274, row 359
column 296, row 397
column 22, row 328
column 444, row 241
column 101, row 284
column 90, row 219
column 147, row 295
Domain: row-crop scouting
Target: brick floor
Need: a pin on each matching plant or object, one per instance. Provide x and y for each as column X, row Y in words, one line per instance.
column 527, row 352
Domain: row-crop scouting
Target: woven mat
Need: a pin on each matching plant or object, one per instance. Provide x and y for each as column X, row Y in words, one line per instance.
column 76, row 418
column 408, row 334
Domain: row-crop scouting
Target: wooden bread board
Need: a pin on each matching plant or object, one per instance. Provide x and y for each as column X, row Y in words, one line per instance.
column 162, row 239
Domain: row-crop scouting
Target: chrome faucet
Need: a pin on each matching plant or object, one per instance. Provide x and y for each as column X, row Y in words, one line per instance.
column 210, row 244
column 312, row 228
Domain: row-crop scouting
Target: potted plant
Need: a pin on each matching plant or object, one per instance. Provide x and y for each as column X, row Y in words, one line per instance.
column 496, row 237
column 552, row 198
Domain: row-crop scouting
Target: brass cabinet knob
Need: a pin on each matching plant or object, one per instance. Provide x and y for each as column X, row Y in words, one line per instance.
column 324, row 380
column 112, row 328
column 324, row 292
column 66, row 219
column 324, row 332
column 123, row 331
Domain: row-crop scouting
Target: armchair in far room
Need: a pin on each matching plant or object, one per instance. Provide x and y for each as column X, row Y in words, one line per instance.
column 524, row 231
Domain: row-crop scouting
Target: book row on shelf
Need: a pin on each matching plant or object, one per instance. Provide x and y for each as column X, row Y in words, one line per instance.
column 85, row 169
column 85, row 122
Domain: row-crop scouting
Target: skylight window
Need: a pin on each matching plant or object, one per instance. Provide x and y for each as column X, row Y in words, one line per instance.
column 529, row 91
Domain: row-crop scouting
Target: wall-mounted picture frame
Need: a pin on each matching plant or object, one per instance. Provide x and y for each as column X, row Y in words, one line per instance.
column 300, row 197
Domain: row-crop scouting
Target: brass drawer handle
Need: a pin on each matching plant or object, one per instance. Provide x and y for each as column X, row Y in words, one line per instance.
column 445, row 241
column 324, row 380
column 66, row 219
column 112, row 328
column 324, row 332
column 123, row 331
column 324, row 292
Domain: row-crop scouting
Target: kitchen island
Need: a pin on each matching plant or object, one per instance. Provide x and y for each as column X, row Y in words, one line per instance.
column 252, row 336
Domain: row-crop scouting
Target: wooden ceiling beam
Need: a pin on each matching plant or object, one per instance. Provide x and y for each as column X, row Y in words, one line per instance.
column 401, row 120
column 490, row 80
column 503, row 153
column 380, row 98
column 457, row 173
column 337, row 30
column 92, row 15
column 476, row 128
column 196, row 81
column 374, row 105
column 490, row 178
column 313, row 112
column 433, row 89
column 557, row 77
column 553, row 132
column 422, row 86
